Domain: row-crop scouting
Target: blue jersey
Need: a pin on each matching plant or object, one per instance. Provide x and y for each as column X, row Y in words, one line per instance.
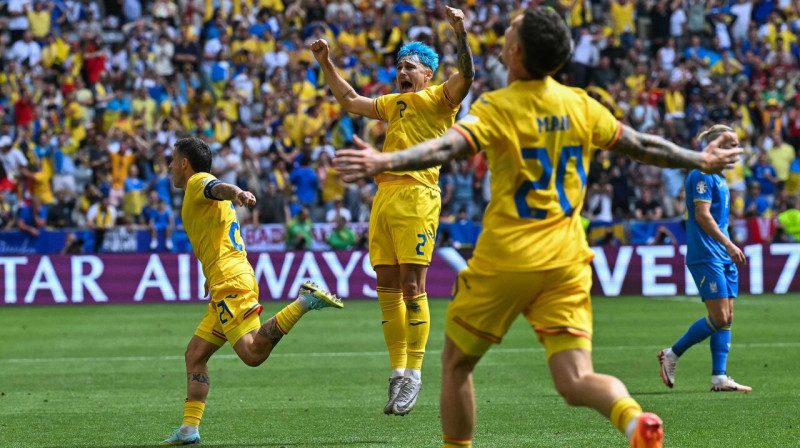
column 700, row 246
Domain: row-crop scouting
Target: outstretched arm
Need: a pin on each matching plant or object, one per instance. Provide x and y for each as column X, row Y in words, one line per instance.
column 344, row 93
column 227, row 192
column 654, row 150
column 459, row 83
column 355, row 164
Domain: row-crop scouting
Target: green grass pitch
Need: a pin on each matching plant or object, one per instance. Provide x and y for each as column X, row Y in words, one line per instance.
column 113, row 376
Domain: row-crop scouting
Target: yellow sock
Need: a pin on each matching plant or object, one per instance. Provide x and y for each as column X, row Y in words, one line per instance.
column 450, row 442
column 393, row 315
column 419, row 326
column 623, row 411
column 287, row 317
column 193, row 412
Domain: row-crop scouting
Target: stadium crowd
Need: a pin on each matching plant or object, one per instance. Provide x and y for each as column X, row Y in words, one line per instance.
column 93, row 95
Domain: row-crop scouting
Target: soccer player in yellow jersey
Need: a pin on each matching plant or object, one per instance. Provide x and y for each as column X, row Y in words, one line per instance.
column 532, row 257
column 233, row 309
column 405, row 213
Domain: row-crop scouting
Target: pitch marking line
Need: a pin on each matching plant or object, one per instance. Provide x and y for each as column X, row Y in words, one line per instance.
column 356, row 354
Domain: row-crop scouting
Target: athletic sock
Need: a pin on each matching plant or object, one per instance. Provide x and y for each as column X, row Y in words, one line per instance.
column 623, row 412
column 450, row 442
column 192, row 413
column 288, row 316
column 393, row 312
column 720, row 346
column 699, row 330
column 419, row 327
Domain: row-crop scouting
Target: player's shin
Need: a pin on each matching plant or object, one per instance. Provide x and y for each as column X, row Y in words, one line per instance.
column 720, row 346
column 697, row 332
column 418, row 329
column 393, row 312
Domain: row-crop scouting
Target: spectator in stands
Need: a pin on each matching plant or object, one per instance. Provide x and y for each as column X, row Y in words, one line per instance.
column 764, row 174
column 342, row 236
column 59, row 214
column 161, row 220
column 464, row 231
column 599, row 199
column 787, row 227
column 101, row 217
column 647, row 208
column 463, row 189
column 6, row 212
column 271, row 208
column 608, row 238
column 32, row 218
column 299, row 230
column 338, row 211
column 756, row 204
column 305, row 183
column 780, row 157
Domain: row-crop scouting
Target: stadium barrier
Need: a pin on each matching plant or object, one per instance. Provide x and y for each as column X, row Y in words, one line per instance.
column 167, row 277
column 272, row 237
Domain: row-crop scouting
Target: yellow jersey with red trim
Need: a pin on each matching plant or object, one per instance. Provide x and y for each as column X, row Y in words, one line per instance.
column 538, row 137
column 414, row 118
column 213, row 230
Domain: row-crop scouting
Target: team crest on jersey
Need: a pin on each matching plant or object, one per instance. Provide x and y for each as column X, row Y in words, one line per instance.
column 713, row 287
column 702, row 187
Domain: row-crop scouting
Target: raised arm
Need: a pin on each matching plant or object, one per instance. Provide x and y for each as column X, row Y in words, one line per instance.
column 459, row 83
column 654, row 150
column 345, row 94
column 355, row 164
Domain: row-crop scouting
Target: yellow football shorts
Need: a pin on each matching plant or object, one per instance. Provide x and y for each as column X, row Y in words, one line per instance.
column 402, row 226
column 233, row 311
column 557, row 304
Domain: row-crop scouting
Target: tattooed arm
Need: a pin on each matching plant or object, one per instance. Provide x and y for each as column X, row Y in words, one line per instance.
column 345, row 94
column 654, row 150
column 227, row 192
column 355, row 164
column 458, row 84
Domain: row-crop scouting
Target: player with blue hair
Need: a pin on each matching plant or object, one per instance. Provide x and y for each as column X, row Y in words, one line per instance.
column 405, row 212
column 420, row 54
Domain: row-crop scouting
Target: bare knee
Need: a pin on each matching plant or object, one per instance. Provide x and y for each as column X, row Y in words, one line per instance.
column 252, row 358
column 411, row 287
column 195, row 359
column 456, row 361
column 721, row 318
column 254, row 361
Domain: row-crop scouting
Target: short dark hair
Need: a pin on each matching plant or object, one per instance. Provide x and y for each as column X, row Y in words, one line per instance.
column 546, row 41
column 196, row 152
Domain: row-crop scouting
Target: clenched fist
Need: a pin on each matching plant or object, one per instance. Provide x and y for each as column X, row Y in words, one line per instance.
column 320, row 50
column 456, row 19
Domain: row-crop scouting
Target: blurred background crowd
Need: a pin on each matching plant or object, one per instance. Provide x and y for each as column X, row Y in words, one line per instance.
column 93, row 94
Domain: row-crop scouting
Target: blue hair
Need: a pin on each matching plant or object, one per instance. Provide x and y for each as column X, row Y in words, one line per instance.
column 426, row 55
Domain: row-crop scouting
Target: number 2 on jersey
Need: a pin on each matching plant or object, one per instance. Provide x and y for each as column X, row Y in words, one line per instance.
column 234, row 229
column 540, row 154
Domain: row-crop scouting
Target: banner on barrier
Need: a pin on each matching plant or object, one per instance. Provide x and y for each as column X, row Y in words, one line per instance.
column 153, row 278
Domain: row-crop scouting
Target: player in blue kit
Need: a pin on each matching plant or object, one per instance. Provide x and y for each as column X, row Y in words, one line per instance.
column 712, row 258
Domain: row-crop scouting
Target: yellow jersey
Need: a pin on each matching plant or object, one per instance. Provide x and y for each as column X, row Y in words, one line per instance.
column 538, row 137
column 414, row 118
column 213, row 230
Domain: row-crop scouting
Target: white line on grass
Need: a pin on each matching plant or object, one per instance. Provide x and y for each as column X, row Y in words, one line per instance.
column 359, row 354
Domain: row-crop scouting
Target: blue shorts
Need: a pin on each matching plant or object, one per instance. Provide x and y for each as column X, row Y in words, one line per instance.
column 716, row 281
